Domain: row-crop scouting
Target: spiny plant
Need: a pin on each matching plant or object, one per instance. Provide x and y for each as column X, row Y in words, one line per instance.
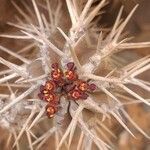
column 93, row 51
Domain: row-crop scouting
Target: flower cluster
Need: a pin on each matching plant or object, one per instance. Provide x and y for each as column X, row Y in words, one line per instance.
column 66, row 84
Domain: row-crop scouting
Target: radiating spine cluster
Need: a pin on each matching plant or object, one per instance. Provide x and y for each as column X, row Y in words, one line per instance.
column 65, row 86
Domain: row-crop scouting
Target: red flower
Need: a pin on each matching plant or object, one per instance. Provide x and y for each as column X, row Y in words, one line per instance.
column 83, row 86
column 92, row 87
column 50, row 85
column 70, row 66
column 71, row 75
column 50, row 97
column 56, row 75
column 63, row 84
column 51, row 110
column 74, row 94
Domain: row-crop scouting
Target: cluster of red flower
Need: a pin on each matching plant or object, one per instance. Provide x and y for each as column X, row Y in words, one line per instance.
column 63, row 84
